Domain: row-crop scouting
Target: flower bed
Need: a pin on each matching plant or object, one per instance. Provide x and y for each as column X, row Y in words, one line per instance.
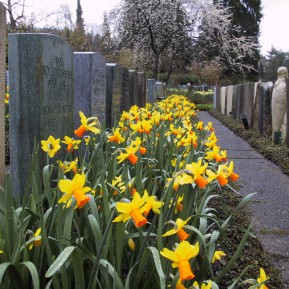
column 130, row 207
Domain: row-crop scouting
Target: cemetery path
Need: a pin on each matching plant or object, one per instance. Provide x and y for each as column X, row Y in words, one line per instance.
column 270, row 205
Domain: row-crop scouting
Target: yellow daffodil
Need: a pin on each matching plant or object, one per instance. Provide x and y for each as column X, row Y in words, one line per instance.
column 189, row 140
column 87, row 124
column 220, row 176
column 128, row 154
column 209, row 126
column 116, row 136
column 131, row 210
column 204, row 286
column 218, row 255
column 214, row 154
column 230, row 171
column 74, row 188
column 211, row 140
column 36, row 239
column 119, row 184
column 143, row 126
column 262, row 278
column 178, row 204
column 151, row 203
column 196, row 170
column 51, row 146
column 181, row 256
column 68, row 166
column 71, row 143
column 178, row 229
column 199, row 125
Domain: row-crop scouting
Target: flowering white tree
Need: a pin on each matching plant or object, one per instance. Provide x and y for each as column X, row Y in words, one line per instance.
column 157, row 27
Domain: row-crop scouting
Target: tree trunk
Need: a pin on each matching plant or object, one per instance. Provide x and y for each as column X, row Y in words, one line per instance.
column 156, row 66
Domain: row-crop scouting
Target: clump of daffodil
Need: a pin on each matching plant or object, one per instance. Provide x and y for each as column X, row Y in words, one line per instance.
column 151, row 203
column 131, row 210
column 51, row 146
column 74, row 189
column 178, row 229
column 218, row 255
column 35, row 240
column 71, row 143
column 87, row 124
column 181, row 256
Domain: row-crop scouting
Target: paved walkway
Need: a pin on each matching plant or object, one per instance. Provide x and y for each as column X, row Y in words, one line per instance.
column 270, row 206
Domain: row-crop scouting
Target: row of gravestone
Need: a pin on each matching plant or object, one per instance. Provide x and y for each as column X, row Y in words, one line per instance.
column 49, row 85
column 249, row 103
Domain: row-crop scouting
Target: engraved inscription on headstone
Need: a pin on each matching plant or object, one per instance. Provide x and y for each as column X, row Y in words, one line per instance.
column 89, row 85
column 41, row 82
column 2, row 90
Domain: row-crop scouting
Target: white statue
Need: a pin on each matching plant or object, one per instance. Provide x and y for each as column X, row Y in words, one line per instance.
column 279, row 105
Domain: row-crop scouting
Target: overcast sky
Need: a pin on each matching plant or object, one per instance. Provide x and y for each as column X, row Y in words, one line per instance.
column 274, row 25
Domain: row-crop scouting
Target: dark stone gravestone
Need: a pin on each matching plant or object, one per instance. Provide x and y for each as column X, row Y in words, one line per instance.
column 248, row 100
column 89, row 86
column 265, row 109
column 229, row 100
column 117, row 92
column 218, row 99
column 133, row 87
column 257, row 93
column 2, row 90
column 142, row 88
column 160, row 92
column 41, row 82
column 150, row 90
column 236, row 92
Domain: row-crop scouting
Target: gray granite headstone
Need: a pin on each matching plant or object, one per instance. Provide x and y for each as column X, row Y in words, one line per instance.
column 215, row 97
column 89, row 86
column 257, row 93
column 142, row 88
column 236, row 92
column 2, row 90
column 117, row 92
column 218, row 99
column 265, row 111
column 223, row 99
column 41, row 85
column 229, row 100
column 160, row 92
column 248, row 101
column 150, row 90
column 133, row 87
